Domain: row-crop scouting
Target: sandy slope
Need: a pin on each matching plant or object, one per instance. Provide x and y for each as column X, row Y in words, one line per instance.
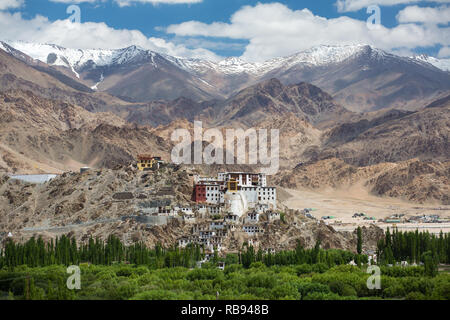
column 343, row 203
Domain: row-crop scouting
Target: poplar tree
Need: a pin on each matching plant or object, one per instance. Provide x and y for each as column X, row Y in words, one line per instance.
column 359, row 241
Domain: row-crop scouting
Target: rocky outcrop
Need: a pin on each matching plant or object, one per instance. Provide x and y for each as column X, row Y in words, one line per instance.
column 413, row 180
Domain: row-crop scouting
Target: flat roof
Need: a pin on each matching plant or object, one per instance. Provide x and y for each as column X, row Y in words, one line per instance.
column 148, row 157
column 33, row 178
column 242, row 172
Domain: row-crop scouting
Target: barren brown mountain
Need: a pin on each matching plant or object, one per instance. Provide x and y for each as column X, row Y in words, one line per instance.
column 42, row 135
column 372, row 79
column 396, row 136
column 51, row 84
column 412, row 180
column 271, row 98
column 360, row 77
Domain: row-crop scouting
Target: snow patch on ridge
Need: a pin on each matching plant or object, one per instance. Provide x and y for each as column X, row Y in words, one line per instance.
column 316, row 56
column 76, row 58
column 443, row 64
column 323, row 55
column 95, row 87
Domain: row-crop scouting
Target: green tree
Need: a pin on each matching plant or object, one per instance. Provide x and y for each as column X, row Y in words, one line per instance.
column 430, row 263
column 359, row 241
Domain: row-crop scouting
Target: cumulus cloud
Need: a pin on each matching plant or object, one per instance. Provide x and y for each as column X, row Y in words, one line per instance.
column 444, row 52
column 438, row 15
column 275, row 30
column 88, row 35
column 10, row 4
column 355, row 5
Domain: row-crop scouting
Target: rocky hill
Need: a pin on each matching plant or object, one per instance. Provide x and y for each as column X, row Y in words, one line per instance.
column 395, row 136
column 246, row 108
column 412, row 180
column 272, row 98
column 99, row 203
column 415, row 181
column 98, row 198
column 42, row 135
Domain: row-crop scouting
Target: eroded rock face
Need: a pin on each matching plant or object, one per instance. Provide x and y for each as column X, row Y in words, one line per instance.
column 392, row 136
column 43, row 135
column 413, row 180
column 80, row 199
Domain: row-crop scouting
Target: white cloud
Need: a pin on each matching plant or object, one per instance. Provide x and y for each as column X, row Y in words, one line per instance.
column 10, row 4
column 87, row 35
column 425, row 15
column 444, row 52
column 275, row 30
column 403, row 52
column 209, row 44
column 355, row 5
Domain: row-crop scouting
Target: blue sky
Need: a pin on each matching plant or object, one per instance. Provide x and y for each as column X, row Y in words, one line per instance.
column 261, row 29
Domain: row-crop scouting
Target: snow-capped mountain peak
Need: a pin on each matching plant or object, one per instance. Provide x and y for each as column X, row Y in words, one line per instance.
column 140, row 75
column 316, row 56
column 130, row 54
column 326, row 54
column 77, row 58
column 443, row 64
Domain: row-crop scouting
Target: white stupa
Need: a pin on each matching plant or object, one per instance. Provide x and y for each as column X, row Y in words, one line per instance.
column 236, row 203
